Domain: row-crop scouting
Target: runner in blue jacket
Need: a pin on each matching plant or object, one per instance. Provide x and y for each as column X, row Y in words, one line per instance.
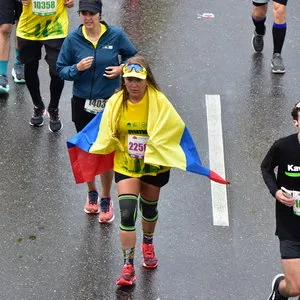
column 91, row 83
column 92, row 56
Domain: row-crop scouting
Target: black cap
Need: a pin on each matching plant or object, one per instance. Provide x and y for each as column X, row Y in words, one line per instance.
column 94, row 6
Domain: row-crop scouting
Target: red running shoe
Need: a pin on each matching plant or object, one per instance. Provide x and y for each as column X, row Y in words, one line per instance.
column 150, row 260
column 106, row 211
column 92, row 203
column 127, row 277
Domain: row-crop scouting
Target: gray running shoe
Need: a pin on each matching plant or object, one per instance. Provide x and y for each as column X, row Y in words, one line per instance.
column 37, row 118
column 17, row 73
column 257, row 42
column 277, row 64
column 55, row 123
column 4, row 86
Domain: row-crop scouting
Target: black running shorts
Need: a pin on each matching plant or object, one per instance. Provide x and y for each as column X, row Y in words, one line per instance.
column 289, row 249
column 159, row 180
column 80, row 117
column 263, row 2
column 10, row 11
column 31, row 51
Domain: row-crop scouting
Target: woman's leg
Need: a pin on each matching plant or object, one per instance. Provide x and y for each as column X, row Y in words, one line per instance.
column 33, row 83
column 92, row 201
column 106, row 204
column 128, row 191
column 106, row 182
column 81, row 119
column 130, row 187
column 148, row 205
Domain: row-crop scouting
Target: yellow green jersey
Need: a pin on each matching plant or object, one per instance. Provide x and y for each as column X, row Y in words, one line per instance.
column 43, row 20
column 133, row 135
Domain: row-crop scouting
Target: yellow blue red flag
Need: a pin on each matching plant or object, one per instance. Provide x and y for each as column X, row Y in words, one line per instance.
column 170, row 144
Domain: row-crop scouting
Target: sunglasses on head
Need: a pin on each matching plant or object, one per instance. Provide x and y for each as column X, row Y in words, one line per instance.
column 136, row 67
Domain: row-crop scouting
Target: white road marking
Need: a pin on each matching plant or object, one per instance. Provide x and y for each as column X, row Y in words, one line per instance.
column 216, row 159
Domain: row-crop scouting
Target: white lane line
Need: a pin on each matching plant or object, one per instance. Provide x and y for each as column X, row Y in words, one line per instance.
column 216, row 159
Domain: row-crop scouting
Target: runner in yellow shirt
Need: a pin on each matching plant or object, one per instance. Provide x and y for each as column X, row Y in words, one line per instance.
column 9, row 14
column 137, row 181
column 43, row 23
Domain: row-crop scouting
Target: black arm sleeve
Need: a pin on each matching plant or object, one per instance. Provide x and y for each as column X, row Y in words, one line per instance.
column 268, row 165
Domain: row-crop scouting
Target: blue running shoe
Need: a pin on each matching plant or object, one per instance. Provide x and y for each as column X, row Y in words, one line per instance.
column 4, row 86
column 17, row 73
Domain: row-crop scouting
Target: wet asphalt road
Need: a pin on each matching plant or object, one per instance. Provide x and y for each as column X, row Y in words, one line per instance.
column 50, row 249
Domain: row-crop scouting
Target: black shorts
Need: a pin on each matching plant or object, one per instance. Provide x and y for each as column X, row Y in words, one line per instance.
column 10, row 11
column 159, row 180
column 263, row 2
column 80, row 117
column 283, row 2
column 289, row 249
column 31, row 51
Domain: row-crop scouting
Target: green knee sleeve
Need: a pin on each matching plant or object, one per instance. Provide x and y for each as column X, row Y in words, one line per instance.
column 148, row 209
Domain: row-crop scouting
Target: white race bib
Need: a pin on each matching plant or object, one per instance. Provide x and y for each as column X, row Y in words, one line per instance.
column 44, row 7
column 93, row 106
column 296, row 207
column 137, row 145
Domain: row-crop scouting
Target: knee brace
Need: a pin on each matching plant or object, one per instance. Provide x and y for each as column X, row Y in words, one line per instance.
column 148, row 209
column 128, row 210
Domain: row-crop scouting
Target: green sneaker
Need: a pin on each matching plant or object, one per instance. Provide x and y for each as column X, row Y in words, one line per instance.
column 17, row 73
column 4, row 86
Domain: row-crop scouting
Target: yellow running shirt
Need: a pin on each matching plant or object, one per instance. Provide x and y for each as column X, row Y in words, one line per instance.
column 132, row 130
column 103, row 29
column 43, row 20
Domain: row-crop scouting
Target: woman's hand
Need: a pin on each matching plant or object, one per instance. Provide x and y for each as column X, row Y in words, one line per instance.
column 69, row 3
column 113, row 71
column 25, row 2
column 85, row 63
column 287, row 201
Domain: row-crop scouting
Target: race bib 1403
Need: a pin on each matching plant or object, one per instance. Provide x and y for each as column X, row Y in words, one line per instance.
column 93, row 106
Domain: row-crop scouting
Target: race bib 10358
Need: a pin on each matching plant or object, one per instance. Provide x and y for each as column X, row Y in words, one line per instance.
column 44, row 7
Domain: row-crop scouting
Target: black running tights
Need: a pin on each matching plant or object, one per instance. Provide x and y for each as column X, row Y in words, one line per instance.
column 33, row 84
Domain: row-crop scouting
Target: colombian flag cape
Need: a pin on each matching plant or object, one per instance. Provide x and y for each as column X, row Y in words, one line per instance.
column 170, row 144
